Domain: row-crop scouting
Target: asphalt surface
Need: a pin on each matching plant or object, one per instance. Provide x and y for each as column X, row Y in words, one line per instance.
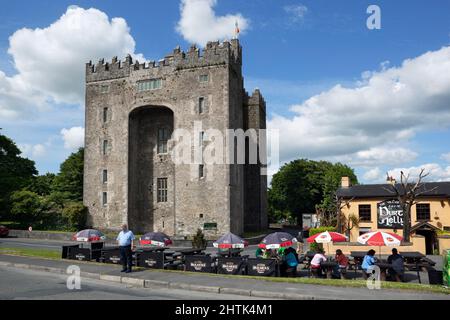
column 24, row 284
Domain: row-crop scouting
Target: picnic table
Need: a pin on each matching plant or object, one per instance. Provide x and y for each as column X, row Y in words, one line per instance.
column 416, row 261
column 190, row 252
column 328, row 265
column 384, row 266
column 150, row 249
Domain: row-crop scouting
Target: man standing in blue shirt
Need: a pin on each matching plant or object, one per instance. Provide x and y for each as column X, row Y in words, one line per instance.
column 125, row 241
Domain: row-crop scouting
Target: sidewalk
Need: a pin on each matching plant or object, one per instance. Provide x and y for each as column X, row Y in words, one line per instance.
column 215, row 283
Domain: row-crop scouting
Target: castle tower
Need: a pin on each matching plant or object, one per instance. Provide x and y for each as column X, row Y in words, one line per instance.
column 132, row 111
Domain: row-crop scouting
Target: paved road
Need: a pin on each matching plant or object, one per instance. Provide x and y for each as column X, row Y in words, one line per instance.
column 28, row 284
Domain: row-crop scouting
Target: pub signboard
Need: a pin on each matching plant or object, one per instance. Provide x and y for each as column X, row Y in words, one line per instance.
column 390, row 214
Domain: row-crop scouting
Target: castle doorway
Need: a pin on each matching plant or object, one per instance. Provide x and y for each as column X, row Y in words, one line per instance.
column 150, row 170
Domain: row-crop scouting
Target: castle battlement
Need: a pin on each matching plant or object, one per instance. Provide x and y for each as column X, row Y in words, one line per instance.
column 215, row 53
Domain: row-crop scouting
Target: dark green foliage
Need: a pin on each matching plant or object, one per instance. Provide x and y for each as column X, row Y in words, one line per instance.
column 29, row 208
column 75, row 215
column 44, row 202
column 70, row 178
column 42, row 185
column 302, row 185
column 198, row 240
column 15, row 173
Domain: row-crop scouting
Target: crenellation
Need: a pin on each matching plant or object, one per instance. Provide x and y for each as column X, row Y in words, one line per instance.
column 215, row 53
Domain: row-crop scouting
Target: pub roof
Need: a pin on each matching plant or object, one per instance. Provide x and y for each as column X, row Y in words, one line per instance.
column 427, row 189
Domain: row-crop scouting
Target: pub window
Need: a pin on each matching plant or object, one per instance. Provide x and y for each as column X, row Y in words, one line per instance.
column 105, row 147
column 365, row 212
column 423, row 211
column 105, row 115
column 201, row 171
column 162, row 190
column 163, row 137
column 147, row 85
column 105, row 176
column 104, row 198
column 203, row 78
column 201, row 105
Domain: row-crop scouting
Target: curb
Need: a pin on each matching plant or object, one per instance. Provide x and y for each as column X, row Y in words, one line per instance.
column 145, row 283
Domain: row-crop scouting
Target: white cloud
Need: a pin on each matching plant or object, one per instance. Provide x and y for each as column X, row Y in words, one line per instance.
column 199, row 24
column 387, row 155
column 446, row 157
column 296, row 12
column 73, row 137
column 436, row 172
column 374, row 174
column 33, row 151
column 50, row 62
column 373, row 122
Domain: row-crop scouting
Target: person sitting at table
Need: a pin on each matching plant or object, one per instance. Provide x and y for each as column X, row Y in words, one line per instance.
column 260, row 253
column 342, row 264
column 369, row 260
column 290, row 262
column 398, row 268
column 318, row 258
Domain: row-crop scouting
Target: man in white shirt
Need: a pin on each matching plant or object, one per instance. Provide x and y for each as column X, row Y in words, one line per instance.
column 125, row 240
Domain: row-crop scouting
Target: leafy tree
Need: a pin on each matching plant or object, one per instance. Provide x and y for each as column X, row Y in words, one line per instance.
column 302, row 185
column 70, row 179
column 332, row 182
column 28, row 207
column 42, row 185
column 15, row 172
column 297, row 187
column 75, row 214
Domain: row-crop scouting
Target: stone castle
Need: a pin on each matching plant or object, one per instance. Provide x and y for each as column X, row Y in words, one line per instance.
column 133, row 108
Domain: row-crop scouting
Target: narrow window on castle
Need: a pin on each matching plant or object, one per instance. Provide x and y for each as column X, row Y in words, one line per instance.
column 201, row 171
column 105, row 115
column 163, row 137
column 162, row 190
column 105, row 176
column 104, row 198
column 201, row 105
column 105, row 147
column 104, row 89
column 203, row 78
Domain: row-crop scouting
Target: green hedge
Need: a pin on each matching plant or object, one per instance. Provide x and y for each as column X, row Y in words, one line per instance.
column 314, row 246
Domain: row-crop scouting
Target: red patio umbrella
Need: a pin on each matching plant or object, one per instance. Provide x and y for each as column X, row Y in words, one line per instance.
column 379, row 239
column 327, row 237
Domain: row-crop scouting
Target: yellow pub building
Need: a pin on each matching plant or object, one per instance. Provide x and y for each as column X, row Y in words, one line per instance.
column 379, row 210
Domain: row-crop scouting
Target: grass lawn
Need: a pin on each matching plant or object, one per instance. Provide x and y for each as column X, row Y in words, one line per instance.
column 28, row 252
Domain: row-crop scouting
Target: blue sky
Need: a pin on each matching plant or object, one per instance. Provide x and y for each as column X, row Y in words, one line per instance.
column 293, row 51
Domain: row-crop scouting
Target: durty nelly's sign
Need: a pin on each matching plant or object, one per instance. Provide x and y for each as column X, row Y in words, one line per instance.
column 390, row 214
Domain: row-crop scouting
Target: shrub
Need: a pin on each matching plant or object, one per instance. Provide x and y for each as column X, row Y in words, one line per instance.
column 75, row 215
column 314, row 246
column 198, row 240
